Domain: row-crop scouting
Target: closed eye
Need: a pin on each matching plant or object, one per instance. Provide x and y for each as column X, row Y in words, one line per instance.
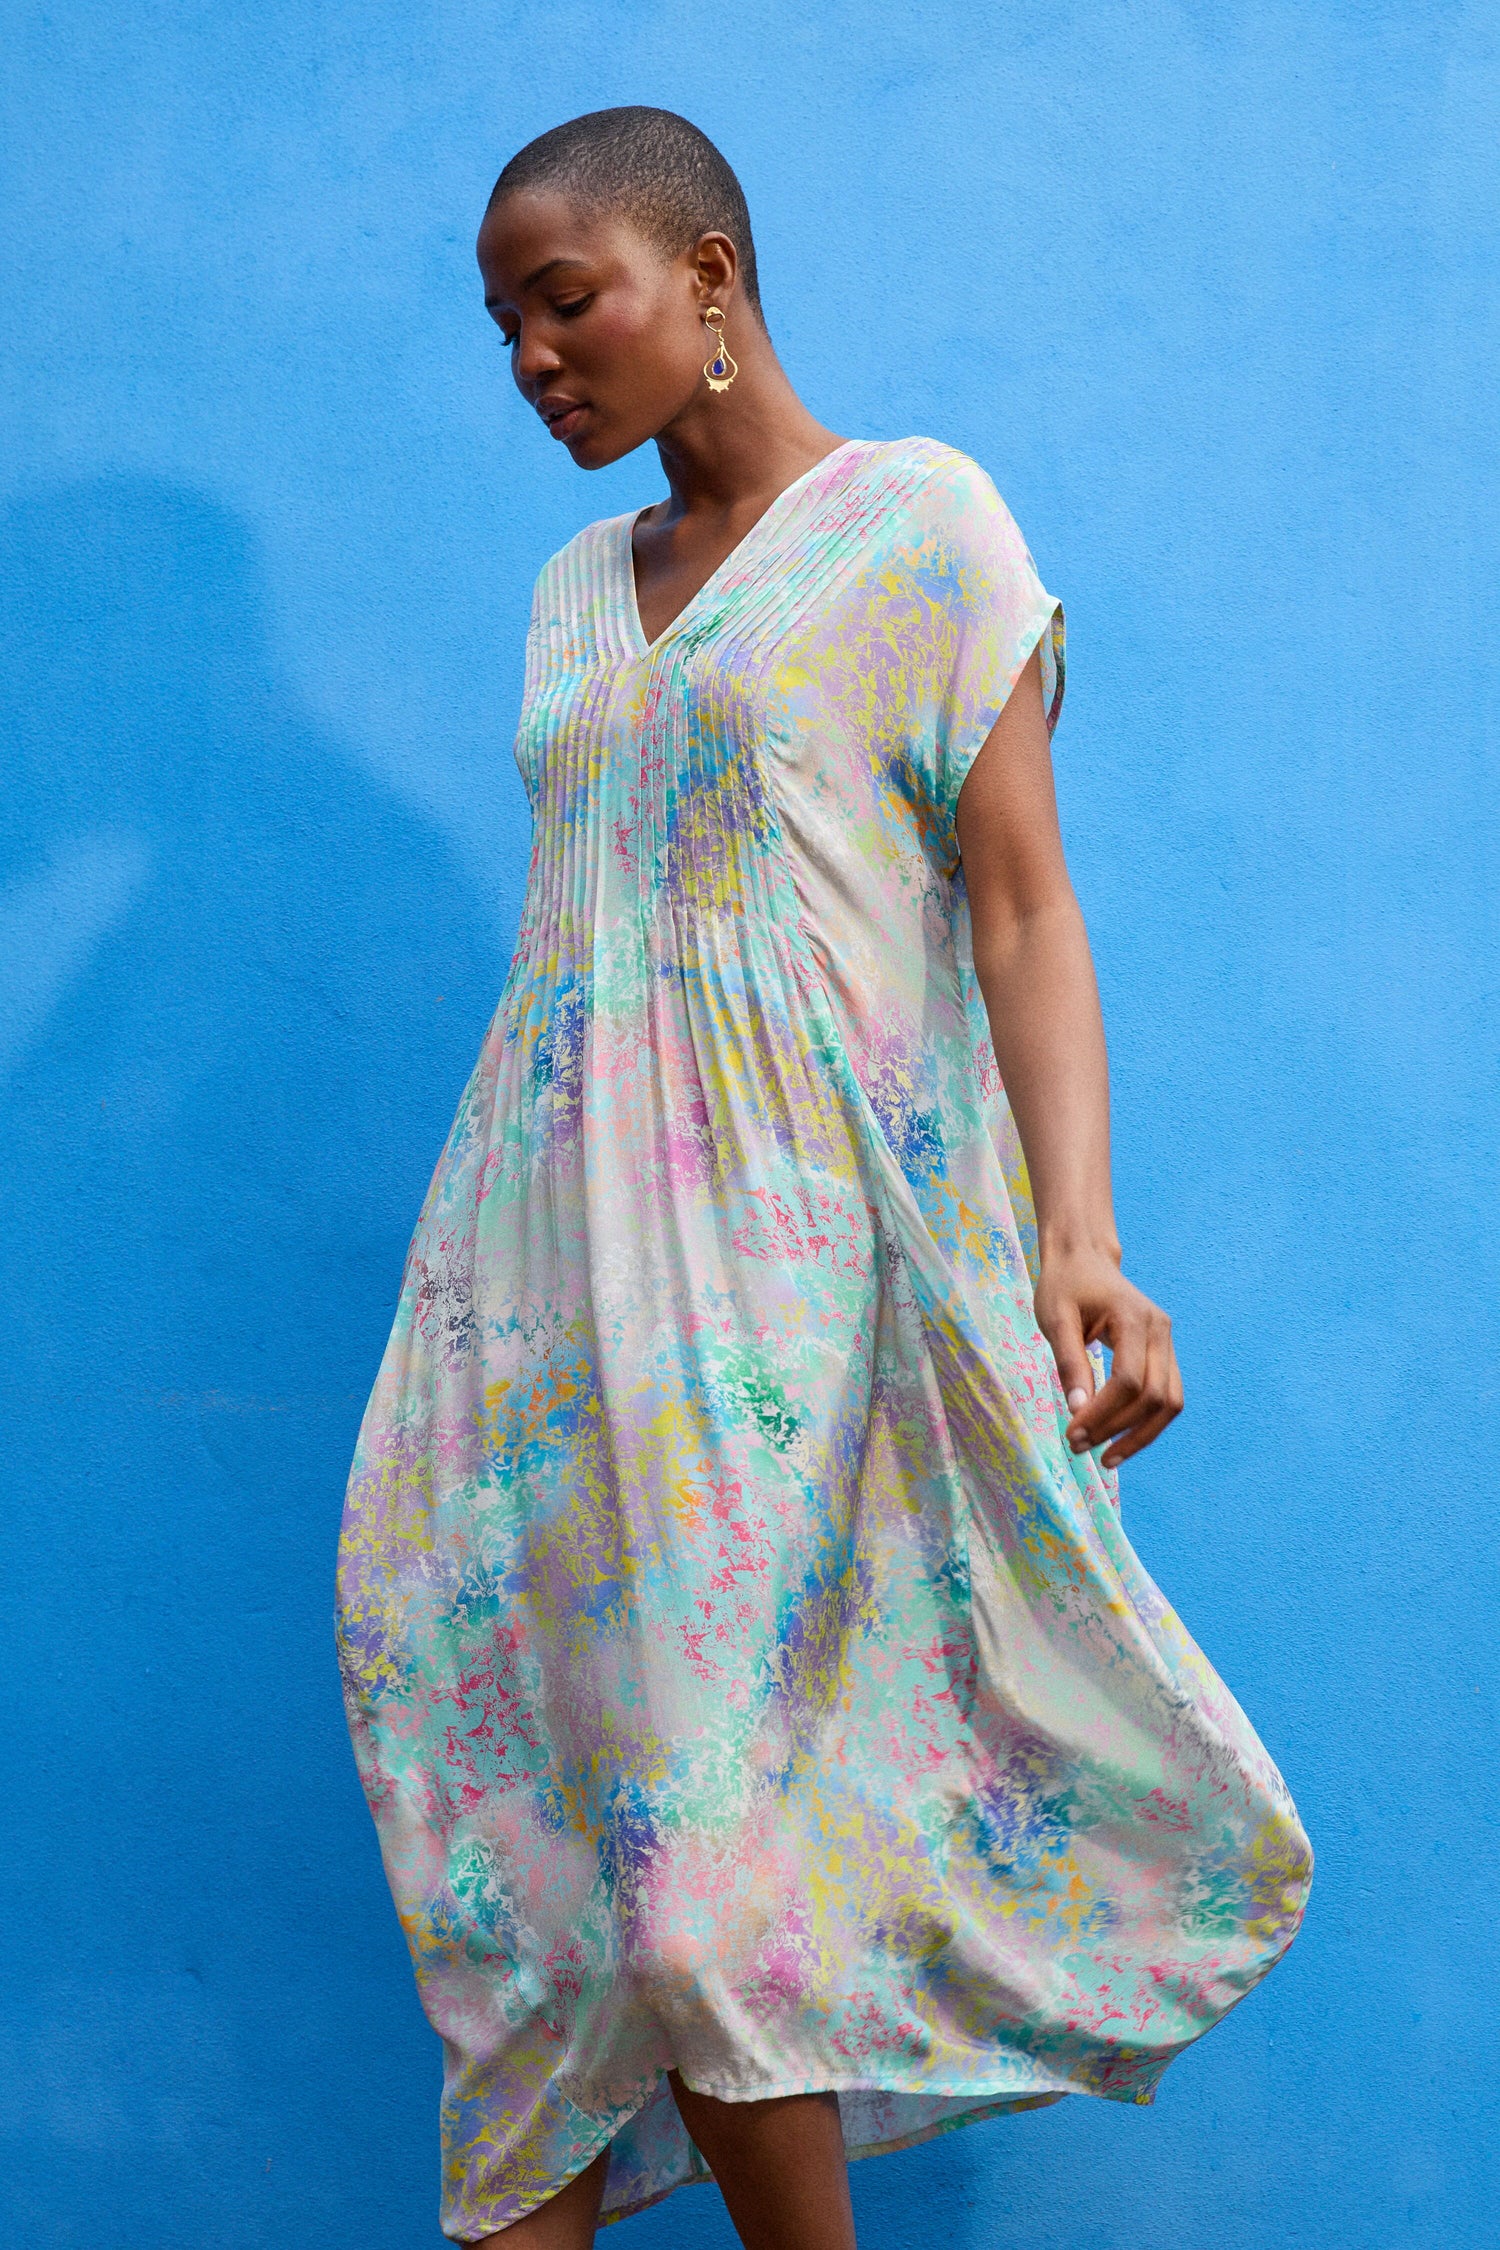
column 574, row 306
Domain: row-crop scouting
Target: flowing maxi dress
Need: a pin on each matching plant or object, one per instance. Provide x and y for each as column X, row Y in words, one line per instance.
column 744, row 1675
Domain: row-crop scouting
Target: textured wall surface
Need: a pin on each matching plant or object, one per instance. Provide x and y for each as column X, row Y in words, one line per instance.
column 1212, row 293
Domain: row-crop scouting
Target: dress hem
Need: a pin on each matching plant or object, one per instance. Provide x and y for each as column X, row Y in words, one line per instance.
column 1003, row 2106
column 988, row 2103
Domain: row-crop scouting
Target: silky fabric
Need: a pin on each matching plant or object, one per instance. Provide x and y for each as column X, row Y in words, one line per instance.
column 745, row 1676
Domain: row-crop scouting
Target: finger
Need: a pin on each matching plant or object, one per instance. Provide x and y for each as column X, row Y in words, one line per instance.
column 1136, row 1440
column 1147, row 1345
column 1160, row 1401
column 1074, row 1367
column 1116, row 1406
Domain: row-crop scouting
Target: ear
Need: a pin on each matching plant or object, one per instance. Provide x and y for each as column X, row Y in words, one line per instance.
column 716, row 266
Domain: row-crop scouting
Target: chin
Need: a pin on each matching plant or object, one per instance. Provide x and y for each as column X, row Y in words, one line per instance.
column 598, row 449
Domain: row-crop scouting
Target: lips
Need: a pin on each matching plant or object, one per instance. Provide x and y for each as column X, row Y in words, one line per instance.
column 562, row 416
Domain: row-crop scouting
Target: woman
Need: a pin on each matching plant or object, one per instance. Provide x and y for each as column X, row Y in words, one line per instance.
column 777, row 1749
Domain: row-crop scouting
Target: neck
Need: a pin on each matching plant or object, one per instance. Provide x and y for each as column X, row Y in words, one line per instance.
column 730, row 451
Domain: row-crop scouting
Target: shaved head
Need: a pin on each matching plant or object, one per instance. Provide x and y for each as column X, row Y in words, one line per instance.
column 648, row 166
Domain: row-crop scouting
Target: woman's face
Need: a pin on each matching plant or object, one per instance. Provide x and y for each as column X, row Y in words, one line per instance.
column 603, row 328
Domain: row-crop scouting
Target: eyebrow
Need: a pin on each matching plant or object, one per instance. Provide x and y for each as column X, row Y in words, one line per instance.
column 549, row 265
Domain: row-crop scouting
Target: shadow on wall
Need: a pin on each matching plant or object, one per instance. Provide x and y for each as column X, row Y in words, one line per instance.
column 242, row 987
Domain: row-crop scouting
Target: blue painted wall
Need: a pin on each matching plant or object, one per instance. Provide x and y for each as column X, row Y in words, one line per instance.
column 1213, row 294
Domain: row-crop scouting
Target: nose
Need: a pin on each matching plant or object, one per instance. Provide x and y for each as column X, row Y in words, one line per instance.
column 534, row 360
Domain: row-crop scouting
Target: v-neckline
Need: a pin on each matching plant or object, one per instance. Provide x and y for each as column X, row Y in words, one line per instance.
column 630, row 601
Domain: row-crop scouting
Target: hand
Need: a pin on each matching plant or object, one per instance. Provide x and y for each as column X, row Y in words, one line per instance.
column 1081, row 1299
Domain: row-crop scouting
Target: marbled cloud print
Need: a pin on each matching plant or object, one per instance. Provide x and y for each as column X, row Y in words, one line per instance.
column 744, row 1675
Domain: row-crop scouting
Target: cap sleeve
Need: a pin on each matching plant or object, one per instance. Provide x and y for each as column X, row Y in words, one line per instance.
column 995, row 611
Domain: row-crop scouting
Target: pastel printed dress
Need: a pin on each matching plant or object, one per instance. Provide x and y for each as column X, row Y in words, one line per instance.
column 744, row 1675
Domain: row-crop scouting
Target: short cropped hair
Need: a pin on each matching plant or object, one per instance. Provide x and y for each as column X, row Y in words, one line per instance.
column 651, row 167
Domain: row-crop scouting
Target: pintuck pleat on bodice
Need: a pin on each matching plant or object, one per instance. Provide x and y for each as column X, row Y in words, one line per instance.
column 745, row 1676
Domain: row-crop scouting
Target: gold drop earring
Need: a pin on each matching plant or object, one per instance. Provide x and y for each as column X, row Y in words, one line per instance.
column 720, row 371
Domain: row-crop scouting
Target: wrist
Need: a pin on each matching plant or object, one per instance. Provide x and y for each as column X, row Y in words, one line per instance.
column 1062, row 1241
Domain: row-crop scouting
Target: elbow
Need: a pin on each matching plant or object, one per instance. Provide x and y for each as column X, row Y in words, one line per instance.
column 1007, row 937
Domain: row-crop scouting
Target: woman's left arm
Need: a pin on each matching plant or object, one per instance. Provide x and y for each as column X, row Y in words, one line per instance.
column 1031, row 952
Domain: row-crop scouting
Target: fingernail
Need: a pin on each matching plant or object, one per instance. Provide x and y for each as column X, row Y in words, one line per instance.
column 1077, row 1398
